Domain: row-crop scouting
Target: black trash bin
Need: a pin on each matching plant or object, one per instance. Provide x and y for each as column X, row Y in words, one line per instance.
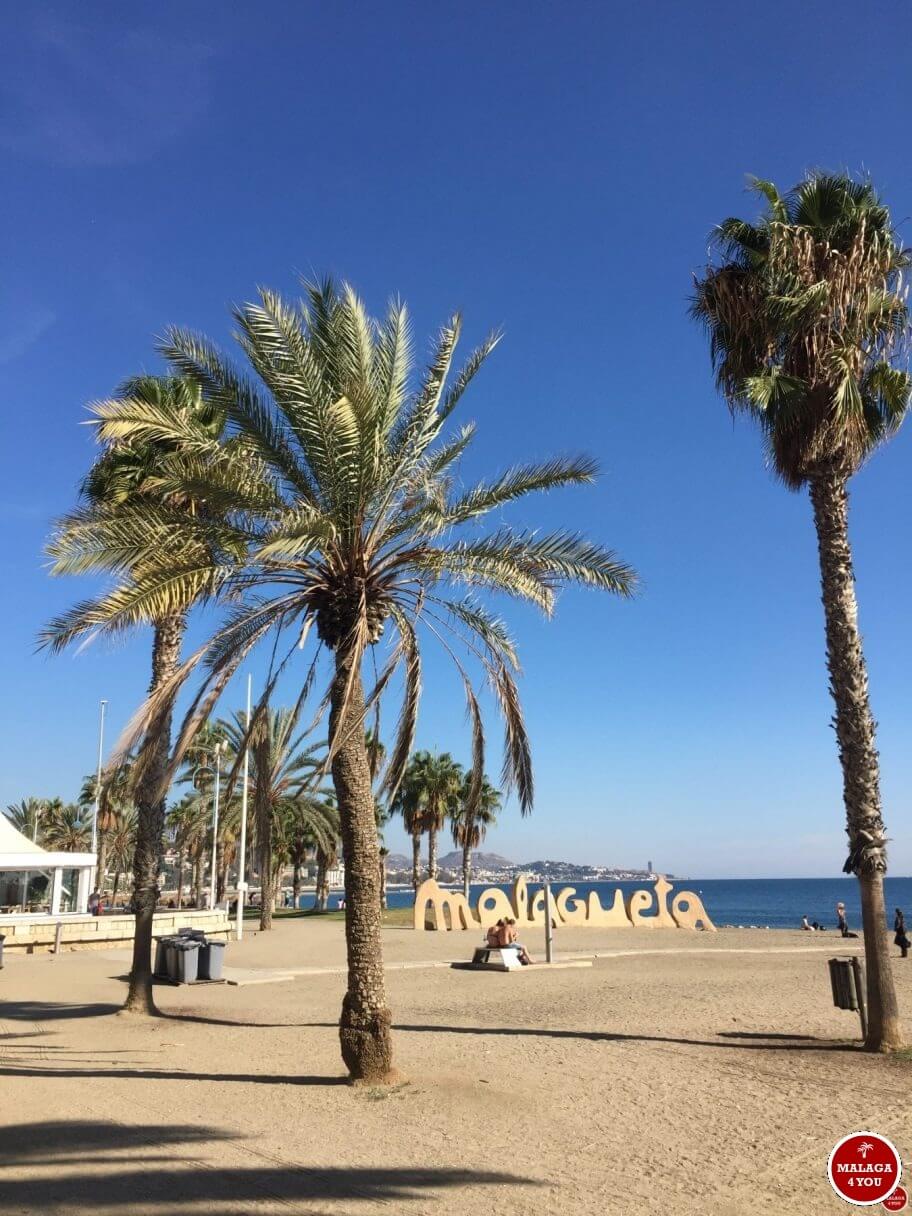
column 183, row 960
column 211, row 960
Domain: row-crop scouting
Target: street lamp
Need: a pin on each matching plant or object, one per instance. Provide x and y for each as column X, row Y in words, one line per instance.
column 242, row 854
column 97, row 796
column 215, row 823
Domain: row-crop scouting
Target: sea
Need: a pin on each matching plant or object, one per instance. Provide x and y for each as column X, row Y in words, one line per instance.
column 764, row 903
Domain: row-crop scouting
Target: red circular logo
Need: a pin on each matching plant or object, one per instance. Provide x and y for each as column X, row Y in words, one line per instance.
column 898, row 1201
column 864, row 1168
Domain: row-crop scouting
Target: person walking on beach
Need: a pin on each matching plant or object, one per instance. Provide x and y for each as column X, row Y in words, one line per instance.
column 841, row 923
column 899, row 928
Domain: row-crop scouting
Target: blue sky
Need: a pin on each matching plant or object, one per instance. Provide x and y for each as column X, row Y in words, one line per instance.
column 554, row 169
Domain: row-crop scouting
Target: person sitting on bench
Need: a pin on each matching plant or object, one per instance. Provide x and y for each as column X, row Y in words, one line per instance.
column 512, row 939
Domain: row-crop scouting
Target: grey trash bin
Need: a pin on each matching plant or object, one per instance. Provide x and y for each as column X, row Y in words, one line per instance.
column 161, row 957
column 211, row 959
column 185, row 956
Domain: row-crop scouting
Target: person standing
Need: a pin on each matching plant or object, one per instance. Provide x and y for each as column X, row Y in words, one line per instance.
column 94, row 903
column 841, row 923
column 899, row 929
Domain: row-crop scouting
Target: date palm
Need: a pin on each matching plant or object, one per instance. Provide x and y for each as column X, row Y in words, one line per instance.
column 809, row 330
column 26, row 816
column 65, row 828
column 115, row 802
column 133, row 522
column 434, row 783
column 281, row 774
column 471, row 821
column 409, row 804
column 355, row 524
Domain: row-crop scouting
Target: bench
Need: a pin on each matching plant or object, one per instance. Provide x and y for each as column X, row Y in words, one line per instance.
column 497, row 958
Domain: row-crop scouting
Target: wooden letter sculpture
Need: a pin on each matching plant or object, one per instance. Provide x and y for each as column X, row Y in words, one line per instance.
column 642, row 909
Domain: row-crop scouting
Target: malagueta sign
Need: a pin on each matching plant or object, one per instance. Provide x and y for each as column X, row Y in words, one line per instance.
column 641, row 909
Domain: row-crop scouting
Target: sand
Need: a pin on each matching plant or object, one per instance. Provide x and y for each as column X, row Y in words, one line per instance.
column 684, row 1072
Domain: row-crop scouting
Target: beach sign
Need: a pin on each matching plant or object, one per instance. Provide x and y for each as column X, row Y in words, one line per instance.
column 642, row 909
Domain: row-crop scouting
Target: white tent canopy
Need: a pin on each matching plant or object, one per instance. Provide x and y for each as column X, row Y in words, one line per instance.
column 21, row 859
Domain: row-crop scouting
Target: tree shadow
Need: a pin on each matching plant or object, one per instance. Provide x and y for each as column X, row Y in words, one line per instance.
column 48, row 1011
column 165, row 1074
column 113, row 1174
column 754, row 1041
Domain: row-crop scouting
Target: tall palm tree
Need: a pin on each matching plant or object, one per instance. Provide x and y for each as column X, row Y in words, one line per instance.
column 807, row 321
column 352, row 514
column 189, row 822
column 115, row 802
column 434, row 783
column 409, row 803
column 471, row 820
column 307, row 824
column 144, row 517
column 26, row 816
column 281, row 774
column 120, row 843
column 66, row 829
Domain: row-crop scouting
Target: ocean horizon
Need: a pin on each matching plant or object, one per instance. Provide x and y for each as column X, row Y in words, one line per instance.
column 774, row 903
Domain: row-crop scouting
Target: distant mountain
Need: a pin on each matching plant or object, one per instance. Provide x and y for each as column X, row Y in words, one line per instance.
column 480, row 861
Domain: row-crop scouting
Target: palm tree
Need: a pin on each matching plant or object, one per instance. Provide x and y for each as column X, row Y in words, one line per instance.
column 308, row 824
column 66, row 830
column 352, row 514
column 116, row 801
column 409, row 804
column 190, row 824
column 281, row 774
column 120, row 843
column 434, row 783
column 142, row 514
column 471, row 820
column 807, row 320
column 26, row 817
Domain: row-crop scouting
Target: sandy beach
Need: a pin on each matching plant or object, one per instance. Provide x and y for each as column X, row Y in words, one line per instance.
column 703, row 1073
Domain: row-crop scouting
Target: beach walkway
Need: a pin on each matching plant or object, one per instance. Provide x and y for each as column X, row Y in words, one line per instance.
column 708, row 1070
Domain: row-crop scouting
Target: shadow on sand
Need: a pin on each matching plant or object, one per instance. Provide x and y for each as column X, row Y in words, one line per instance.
column 112, row 1174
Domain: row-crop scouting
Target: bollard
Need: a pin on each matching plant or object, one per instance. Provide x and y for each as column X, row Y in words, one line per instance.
column 58, row 933
column 549, row 938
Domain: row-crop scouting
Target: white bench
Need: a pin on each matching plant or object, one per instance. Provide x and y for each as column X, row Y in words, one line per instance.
column 497, row 958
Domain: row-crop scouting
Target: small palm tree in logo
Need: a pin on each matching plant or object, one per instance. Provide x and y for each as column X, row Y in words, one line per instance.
column 864, row 1148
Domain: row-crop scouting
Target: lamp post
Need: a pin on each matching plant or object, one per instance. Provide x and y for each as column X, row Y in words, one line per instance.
column 101, row 721
column 242, row 852
column 215, row 820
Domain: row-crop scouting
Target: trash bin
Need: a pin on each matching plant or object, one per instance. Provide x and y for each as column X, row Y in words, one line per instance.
column 211, row 958
column 196, row 935
column 161, row 957
column 2, row 940
column 183, row 960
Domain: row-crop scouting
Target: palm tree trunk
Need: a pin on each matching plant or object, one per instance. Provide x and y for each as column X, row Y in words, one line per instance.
column 267, row 884
column 364, row 1025
column 180, row 877
column 857, row 750
column 150, row 814
column 321, row 891
column 296, row 885
column 416, row 860
column 467, row 862
column 116, row 885
column 432, row 852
